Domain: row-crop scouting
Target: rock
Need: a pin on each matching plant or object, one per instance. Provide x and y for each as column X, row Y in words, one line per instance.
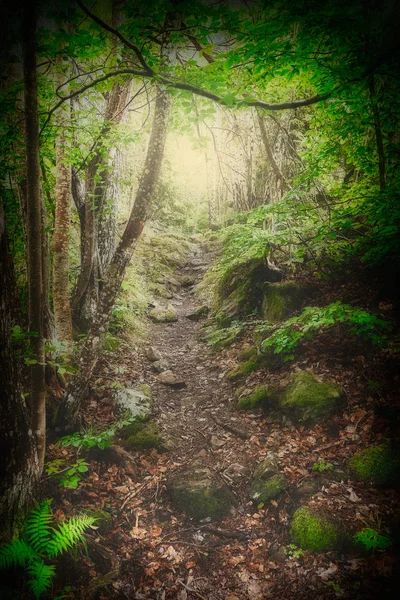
column 136, row 401
column 378, row 465
column 307, row 488
column 259, row 397
column 279, row 300
column 187, row 280
column 236, row 472
column 198, row 314
column 202, row 454
column 160, row 365
column 314, row 531
column 200, row 494
column 267, row 482
column 216, row 443
column 169, row 378
column 308, row 400
column 152, row 354
column 161, row 314
column 142, row 437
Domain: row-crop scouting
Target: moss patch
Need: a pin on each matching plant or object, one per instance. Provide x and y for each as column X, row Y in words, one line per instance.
column 143, row 437
column 379, row 465
column 247, row 353
column 244, row 369
column 309, row 400
column 259, row 397
column 197, row 494
column 281, row 299
column 314, row 532
column 263, row 490
column 146, row 389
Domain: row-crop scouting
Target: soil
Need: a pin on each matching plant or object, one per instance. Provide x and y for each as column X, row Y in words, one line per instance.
column 162, row 554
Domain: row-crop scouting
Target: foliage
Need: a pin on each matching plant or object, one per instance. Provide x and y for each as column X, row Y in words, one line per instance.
column 293, row 552
column 371, row 539
column 68, row 475
column 286, row 338
column 91, row 438
column 41, row 542
column 322, row 466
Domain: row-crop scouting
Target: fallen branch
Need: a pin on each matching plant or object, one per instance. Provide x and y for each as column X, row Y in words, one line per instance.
column 226, row 533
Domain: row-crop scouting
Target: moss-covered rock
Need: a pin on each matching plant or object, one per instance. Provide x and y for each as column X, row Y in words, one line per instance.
column 279, row 300
column 200, row 494
column 308, row 400
column 379, row 465
column 244, row 369
column 146, row 389
column 263, row 490
column 135, row 403
column 164, row 314
column 259, row 397
column 313, row 531
column 143, row 437
column 247, row 353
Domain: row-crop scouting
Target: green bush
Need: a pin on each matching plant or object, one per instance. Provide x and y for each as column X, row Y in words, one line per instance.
column 370, row 539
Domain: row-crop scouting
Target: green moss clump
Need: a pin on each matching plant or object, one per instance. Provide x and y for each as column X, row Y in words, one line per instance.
column 243, row 369
column 146, row 389
column 379, row 465
column 314, row 532
column 281, row 299
column 247, row 353
column 145, row 437
column 309, row 400
column 258, row 398
column 200, row 496
column 263, row 490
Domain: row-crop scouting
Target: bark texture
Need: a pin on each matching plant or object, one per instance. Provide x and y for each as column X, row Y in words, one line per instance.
column 37, row 396
column 19, row 467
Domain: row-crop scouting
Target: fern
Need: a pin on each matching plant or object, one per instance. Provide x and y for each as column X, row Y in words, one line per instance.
column 42, row 540
column 41, row 576
column 68, row 535
column 38, row 531
column 15, row 554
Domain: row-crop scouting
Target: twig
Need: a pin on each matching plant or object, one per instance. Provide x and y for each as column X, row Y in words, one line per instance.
column 135, row 493
column 191, row 590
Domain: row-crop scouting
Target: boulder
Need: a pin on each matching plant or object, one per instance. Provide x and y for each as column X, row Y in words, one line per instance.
column 159, row 366
column 279, row 300
column 267, row 482
column 200, row 494
column 169, row 378
column 259, row 397
column 163, row 314
column 152, row 354
column 137, row 402
column 140, row 436
column 314, row 531
column 378, row 465
column 308, row 400
column 198, row 314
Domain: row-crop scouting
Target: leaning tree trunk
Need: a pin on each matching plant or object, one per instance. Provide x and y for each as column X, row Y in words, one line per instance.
column 61, row 294
column 68, row 416
column 37, row 396
column 19, row 467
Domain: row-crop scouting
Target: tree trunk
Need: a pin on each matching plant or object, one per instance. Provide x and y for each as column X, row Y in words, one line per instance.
column 68, row 414
column 37, row 396
column 378, row 132
column 274, row 165
column 19, row 467
column 61, row 293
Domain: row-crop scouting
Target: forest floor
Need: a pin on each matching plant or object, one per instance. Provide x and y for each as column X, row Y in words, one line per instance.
column 154, row 551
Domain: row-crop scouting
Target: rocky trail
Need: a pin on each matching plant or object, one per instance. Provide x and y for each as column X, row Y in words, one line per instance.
column 204, row 505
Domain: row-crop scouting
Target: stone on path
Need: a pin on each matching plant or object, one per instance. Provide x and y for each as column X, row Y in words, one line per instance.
column 216, row 443
column 200, row 494
column 199, row 313
column 161, row 365
column 152, row 354
column 267, row 482
column 137, row 401
column 162, row 314
column 169, row 378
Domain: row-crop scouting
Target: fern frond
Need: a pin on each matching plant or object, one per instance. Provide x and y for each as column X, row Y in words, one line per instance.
column 38, row 531
column 15, row 554
column 69, row 534
column 41, row 576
